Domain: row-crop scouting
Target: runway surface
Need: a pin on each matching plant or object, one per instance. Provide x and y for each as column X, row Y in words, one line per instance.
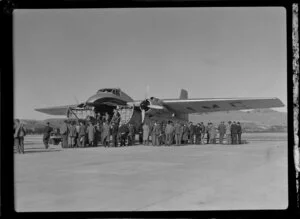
column 147, row 178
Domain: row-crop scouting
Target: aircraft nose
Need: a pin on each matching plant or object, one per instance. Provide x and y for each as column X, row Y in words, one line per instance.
column 91, row 100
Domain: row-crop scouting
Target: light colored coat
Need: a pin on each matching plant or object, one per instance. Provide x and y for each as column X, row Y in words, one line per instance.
column 146, row 131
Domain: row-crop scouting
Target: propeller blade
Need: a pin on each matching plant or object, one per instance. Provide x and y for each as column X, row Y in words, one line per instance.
column 143, row 115
column 147, row 92
column 156, row 107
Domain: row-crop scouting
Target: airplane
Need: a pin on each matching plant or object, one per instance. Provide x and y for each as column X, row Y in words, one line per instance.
column 137, row 112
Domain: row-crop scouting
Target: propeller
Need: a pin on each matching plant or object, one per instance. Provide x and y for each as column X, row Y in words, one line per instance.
column 146, row 97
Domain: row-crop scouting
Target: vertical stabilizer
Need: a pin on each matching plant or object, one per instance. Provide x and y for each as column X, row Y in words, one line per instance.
column 183, row 94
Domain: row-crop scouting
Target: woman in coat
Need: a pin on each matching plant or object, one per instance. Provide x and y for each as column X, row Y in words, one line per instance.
column 146, row 131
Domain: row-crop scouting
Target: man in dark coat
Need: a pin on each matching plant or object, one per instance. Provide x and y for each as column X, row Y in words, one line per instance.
column 46, row 136
column 123, row 132
column 114, row 133
column 239, row 132
column 191, row 133
column 198, row 133
column 222, row 131
column 234, row 133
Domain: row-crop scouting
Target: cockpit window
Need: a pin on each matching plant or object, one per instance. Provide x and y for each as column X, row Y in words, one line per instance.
column 114, row 91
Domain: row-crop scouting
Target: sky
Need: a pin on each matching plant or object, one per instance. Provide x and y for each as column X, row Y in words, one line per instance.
column 63, row 56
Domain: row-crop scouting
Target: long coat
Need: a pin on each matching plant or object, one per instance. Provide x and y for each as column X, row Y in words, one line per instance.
column 185, row 133
column 105, row 131
column 91, row 132
column 146, row 131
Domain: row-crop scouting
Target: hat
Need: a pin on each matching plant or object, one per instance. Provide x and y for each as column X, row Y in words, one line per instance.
column 48, row 123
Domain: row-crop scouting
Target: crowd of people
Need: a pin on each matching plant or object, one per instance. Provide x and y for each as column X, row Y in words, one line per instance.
column 109, row 133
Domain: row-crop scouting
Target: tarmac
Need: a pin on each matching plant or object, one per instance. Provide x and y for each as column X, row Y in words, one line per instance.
column 147, row 178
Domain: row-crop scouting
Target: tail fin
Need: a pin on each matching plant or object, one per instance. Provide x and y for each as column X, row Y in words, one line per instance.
column 183, row 94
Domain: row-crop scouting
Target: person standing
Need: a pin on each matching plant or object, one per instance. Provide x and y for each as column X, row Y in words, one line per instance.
column 46, row 135
column 105, row 134
column 207, row 130
column 177, row 131
column 146, row 133
column 213, row 134
column 114, row 134
column 107, row 118
column 64, row 134
column 72, row 134
column 19, row 135
column 140, row 132
column 153, row 127
column 191, row 133
column 222, row 131
column 198, row 133
column 77, row 141
column 169, row 133
column 131, row 134
column 157, row 134
column 123, row 132
column 239, row 132
column 82, row 134
column 228, row 133
column 91, row 134
column 234, row 133
column 202, row 126
column 116, row 117
column 185, row 135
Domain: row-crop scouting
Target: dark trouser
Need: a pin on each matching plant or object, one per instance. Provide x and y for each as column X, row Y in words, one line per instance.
column 153, row 139
column 114, row 140
column 234, row 138
column 162, row 139
column 64, row 141
column 19, row 142
column 221, row 137
column 239, row 135
column 208, row 138
column 141, row 138
column 129, row 139
column 123, row 139
column 192, row 139
column 46, row 141
column 198, row 138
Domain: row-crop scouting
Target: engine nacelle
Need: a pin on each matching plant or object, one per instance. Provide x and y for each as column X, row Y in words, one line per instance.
column 152, row 105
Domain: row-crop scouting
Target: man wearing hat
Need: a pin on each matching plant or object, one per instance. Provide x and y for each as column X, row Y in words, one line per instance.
column 46, row 136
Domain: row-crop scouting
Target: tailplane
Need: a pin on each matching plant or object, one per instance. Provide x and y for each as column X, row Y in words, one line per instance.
column 183, row 94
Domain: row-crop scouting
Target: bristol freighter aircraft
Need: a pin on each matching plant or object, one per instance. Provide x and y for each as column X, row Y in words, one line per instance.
column 136, row 112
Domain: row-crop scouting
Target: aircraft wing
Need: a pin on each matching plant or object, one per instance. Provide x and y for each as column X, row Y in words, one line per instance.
column 57, row 110
column 214, row 105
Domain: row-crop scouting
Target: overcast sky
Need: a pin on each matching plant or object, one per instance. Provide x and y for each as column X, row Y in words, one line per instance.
column 64, row 55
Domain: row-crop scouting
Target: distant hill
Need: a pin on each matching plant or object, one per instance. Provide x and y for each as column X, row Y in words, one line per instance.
column 258, row 120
